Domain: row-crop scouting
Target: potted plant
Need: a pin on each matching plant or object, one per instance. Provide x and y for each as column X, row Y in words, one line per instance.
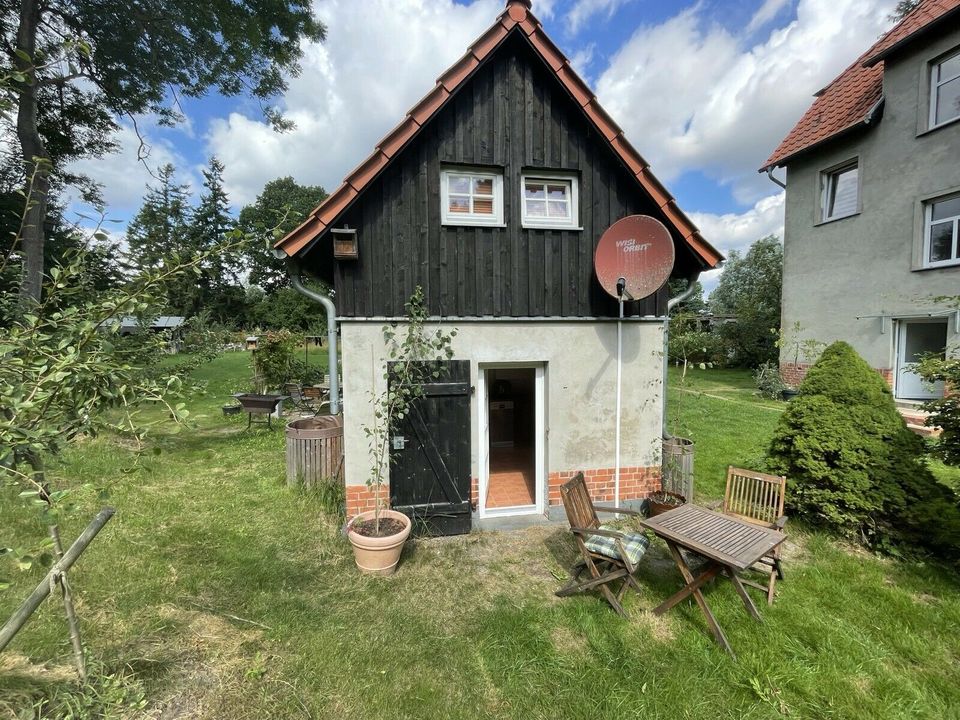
column 378, row 535
column 663, row 500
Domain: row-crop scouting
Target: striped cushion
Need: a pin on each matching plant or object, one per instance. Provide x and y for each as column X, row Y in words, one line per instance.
column 634, row 544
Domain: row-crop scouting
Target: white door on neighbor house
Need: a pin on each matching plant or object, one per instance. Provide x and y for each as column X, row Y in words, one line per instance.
column 918, row 338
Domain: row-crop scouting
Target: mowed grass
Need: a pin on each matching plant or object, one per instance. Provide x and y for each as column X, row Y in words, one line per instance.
column 218, row 592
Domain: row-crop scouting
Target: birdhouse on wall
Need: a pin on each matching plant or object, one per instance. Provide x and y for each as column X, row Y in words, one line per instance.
column 344, row 243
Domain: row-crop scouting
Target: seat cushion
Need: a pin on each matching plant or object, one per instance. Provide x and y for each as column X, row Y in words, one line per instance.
column 634, row 544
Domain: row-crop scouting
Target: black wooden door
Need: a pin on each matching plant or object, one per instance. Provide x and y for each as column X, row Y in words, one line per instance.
column 430, row 454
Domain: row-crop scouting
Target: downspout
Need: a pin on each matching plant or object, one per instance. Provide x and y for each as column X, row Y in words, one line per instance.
column 293, row 271
column 775, row 180
column 671, row 304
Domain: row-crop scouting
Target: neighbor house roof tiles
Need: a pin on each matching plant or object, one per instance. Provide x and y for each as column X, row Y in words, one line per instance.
column 517, row 16
column 848, row 101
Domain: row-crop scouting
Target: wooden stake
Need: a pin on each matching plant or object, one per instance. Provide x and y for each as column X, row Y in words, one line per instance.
column 68, row 608
column 30, row 605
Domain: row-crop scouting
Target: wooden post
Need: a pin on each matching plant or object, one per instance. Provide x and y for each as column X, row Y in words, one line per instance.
column 30, row 605
column 68, row 608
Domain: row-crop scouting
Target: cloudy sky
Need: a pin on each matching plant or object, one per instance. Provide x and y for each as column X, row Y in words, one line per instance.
column 704, row 90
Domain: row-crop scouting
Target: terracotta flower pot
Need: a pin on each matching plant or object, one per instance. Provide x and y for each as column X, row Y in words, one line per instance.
column 378, row 555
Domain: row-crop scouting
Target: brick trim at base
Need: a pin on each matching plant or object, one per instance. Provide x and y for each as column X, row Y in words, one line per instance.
column 635, row 483
column 794, row 373
column 361, row 498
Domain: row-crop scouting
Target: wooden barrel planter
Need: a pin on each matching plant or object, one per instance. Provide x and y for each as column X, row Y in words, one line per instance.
column 677, row 466
column 315, row 450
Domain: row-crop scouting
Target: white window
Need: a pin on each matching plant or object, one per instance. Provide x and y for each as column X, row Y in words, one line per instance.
column 945, row 91
column 840, row 192
column 941, row 244
column 471, row 197
column 549, row 201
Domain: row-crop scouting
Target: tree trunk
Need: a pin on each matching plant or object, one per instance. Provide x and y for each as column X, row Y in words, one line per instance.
column 35, row 159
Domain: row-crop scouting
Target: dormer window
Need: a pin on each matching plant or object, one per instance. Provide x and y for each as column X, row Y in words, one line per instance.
column 945, row 91
column 471, row 197
column 840, row 192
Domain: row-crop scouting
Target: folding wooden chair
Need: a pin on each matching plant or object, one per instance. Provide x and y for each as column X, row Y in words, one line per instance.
column 610, row 556
column 758, row 498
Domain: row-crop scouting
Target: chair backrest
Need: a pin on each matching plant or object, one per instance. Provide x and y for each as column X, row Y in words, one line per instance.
column 294, row 391
column 754, row 496
column 577, row 503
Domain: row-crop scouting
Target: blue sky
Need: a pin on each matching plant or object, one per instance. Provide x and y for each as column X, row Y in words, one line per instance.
column 704, row 90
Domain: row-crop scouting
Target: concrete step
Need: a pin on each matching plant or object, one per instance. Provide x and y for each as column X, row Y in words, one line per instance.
column 916, row 420
column 925, row 431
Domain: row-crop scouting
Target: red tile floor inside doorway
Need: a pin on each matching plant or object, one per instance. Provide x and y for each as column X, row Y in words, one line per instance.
column 512, row 471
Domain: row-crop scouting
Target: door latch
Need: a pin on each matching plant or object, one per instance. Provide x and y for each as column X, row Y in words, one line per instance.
column 399, row 442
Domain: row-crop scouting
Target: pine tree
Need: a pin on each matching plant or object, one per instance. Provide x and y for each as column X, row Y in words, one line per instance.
column 160, row 226
column 217, row 281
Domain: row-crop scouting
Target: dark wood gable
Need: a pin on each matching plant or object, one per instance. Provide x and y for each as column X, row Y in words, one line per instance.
column 512, row 115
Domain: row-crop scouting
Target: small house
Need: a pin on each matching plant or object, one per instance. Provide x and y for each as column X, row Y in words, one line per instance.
column 491, row 194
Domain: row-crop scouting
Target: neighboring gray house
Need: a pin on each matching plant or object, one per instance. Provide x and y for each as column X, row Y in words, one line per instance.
column 873, row 204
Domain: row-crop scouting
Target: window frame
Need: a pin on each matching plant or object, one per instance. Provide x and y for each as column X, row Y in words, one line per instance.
column 934, row 86
column 928, row 223
column 471, row 219
column 551, row 223
column 827, row 178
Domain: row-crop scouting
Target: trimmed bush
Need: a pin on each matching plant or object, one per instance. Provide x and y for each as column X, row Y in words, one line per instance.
column 854, row 466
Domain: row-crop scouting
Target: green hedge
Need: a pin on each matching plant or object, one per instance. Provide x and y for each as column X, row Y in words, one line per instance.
column 854, row 466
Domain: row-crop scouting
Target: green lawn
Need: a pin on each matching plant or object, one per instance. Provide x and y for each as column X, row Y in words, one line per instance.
column 217, row 592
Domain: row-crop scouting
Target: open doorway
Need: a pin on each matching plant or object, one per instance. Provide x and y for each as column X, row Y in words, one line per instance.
column 511, row 440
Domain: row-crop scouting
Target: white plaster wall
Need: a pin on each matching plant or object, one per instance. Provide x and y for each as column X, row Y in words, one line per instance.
column 581, row 364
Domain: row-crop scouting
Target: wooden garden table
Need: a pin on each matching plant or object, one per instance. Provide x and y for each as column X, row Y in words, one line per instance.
column 729, row 544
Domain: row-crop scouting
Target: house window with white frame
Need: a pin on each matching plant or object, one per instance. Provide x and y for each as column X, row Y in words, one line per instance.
column 549, row 201
column 471, row 197
column 945, row 91
column 840, row 192
column 942, row 232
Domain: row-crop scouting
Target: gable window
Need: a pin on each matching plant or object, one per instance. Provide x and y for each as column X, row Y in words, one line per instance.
column 941, row 242
column 945, row 91
column 549, row 201
column 840, row 192
column 471, row 197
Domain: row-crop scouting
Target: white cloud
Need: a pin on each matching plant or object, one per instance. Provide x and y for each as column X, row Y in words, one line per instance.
column 691, row 95
column 738, row 231
column 124, row 175
column 380, row 57
column 767, row 12
column 544, row 9
column 584, row 10
column 582, row 58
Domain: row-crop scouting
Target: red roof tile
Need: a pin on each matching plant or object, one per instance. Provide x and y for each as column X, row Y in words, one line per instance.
column 920, row 19
column 847, row 102
column 517, row 14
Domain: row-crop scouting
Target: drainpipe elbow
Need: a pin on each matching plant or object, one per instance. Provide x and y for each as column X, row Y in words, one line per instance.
column 294, row 273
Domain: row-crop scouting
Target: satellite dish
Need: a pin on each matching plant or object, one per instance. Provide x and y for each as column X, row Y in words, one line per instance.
column 638, row 249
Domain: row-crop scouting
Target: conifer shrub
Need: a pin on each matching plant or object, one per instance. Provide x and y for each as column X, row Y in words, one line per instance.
column 853, row 465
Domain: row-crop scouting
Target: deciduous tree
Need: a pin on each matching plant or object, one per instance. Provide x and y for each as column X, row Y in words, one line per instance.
column 750, row 289
column 280, row 207
column 81, row 65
